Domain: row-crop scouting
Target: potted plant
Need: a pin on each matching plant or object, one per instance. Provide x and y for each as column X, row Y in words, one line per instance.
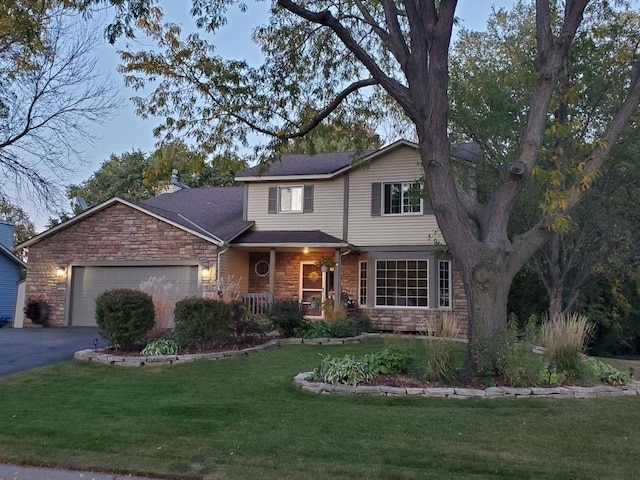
column 315, row 302
column 325, row 263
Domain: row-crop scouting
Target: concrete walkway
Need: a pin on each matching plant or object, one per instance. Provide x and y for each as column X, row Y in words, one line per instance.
column 16, row 472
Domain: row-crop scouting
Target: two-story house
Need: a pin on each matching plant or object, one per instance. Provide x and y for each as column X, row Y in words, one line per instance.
column 366, row 212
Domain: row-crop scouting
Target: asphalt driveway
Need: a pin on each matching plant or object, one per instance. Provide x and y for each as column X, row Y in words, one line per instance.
column 26, row 348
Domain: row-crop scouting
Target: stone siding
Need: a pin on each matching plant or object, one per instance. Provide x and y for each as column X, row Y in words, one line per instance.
column 287, row 273
column 118, row 233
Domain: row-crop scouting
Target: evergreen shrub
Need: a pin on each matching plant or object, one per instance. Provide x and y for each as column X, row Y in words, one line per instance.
column 124, row 316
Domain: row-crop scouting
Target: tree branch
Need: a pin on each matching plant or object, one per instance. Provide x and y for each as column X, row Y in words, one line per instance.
column 395, row 88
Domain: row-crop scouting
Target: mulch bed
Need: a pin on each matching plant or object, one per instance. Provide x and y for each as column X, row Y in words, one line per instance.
column 246, row 342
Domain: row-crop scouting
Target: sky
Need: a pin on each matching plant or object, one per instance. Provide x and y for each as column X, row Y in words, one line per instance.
column 127, row 132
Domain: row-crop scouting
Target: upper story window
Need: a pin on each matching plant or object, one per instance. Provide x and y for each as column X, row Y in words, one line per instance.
column 398, row 198
column 402, row 198
column 290, row 199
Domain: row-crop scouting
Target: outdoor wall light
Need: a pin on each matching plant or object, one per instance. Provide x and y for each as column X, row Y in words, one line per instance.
column 206, row 273
column 60, row 271
column 305, row 250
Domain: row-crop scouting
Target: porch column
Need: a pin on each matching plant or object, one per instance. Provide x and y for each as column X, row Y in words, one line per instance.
column 337, row 280
column 272, row 271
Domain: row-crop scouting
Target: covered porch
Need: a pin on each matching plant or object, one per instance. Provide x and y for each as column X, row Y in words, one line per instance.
column 308, row 266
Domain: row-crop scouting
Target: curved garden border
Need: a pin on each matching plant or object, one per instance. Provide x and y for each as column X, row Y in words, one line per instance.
column 302, row 379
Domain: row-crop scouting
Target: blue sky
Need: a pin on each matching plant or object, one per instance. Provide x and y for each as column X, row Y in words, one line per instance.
column 127, row 132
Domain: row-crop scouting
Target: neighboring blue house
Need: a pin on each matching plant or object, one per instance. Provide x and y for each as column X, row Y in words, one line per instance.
column 10, row 267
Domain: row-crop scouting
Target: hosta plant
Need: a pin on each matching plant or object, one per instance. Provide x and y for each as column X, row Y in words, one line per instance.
column 160, row 346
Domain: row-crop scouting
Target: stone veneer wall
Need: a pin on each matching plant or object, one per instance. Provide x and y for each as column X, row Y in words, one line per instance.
column 405, row 319
column 116, row 234
column 287, row 275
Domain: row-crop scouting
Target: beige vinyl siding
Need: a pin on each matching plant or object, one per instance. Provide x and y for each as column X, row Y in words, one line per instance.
column 327, row 212
column 234, row 265
column 400, row 165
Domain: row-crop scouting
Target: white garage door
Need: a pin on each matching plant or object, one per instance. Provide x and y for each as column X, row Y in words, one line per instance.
column 89, row 282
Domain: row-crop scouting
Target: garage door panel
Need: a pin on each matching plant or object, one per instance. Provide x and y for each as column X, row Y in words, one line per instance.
column 89, row 282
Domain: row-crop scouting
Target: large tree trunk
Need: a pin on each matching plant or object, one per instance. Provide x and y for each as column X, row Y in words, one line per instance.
column 487, row 288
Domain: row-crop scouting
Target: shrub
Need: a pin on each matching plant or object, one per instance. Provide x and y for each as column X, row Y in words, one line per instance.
column 564, row 339
column 160, row 346
column 202, row 322
column 343, row 328
column 390, row 360
column 124, row 316
column 37, row 310
column 246, row 324
column 515, row 362
column 287, row 316
column 346, row 370
column 315, row 329
column 606, row 373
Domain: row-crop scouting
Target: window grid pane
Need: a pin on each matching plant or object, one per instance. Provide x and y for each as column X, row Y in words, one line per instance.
column 402, row 283
column 444, row 283
column 291, row 199
column 362, row 285
column 402, row 198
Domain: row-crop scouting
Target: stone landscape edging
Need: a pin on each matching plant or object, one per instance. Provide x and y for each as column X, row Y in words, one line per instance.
column 157, row 360
column 302, row 379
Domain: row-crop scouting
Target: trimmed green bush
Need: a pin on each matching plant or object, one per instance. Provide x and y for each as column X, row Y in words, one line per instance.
column 287, row 316
column 124, row 316
column 202, row 322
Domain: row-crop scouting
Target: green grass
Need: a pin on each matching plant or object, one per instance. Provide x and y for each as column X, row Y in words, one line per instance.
column 242, row 418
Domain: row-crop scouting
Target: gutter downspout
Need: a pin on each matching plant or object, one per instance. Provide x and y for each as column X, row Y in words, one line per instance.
column 337, row 299
column 218, row 267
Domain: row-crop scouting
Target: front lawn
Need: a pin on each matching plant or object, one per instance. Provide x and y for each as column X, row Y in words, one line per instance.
column 243, row 418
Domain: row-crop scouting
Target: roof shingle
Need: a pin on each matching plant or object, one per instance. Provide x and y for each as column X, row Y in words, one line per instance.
column 214, row 211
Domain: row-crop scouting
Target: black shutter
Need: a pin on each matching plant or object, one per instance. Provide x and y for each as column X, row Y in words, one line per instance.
column 376, row 200
column 307, row 206
column 273, row 199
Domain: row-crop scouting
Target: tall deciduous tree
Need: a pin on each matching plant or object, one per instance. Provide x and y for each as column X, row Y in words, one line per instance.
column 50, row 94
column 490, row 107
column 329, row 55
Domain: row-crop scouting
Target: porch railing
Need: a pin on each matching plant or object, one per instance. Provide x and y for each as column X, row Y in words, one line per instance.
column 257, row 303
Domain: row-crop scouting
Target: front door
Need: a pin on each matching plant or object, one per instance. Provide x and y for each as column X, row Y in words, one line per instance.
column 312, row 282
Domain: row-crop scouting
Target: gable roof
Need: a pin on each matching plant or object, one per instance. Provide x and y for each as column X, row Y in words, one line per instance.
column 10, row 255
column 190, row 210
column 329, row 165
